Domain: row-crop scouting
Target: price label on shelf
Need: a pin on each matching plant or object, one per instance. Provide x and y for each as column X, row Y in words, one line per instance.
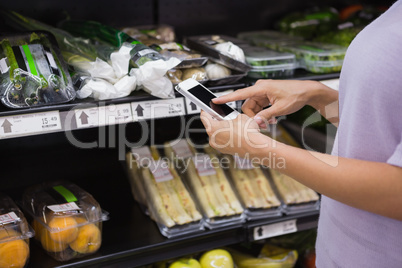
column 194, row 109
column 275, row 229
column 103, row 115
column 153, row 109
column 27, row 124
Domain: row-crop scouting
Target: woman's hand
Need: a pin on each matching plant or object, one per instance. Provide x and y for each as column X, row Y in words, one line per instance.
column 285, row 97
column 239, row 136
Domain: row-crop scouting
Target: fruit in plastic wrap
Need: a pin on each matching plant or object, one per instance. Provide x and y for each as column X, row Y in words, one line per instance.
column 269, row 257
column 13, row 253
column 50, row 244
column 216, row 258
column 185, row 263
column 67, row 225
column 88, row 240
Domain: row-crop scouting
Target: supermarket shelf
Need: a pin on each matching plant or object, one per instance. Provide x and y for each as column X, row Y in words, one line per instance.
column 82, row 114
column 131, row 239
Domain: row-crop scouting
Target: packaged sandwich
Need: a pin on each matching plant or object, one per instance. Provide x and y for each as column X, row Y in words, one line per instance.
column 209, row 183
column 156, row 183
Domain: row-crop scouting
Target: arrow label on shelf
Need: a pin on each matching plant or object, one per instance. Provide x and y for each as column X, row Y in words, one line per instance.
column 275, row 229
column 153, row 109
column 193, row 106
column 139, row 110
column 103, row 115
column 84, row 118
column 6, row 126
column 27, row 124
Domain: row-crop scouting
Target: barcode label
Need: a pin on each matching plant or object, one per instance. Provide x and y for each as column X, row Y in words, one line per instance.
column 160, row 170
column 203, row 165
column 242, row 163
column 64, row 207
column 181, row 148
column 9, row 217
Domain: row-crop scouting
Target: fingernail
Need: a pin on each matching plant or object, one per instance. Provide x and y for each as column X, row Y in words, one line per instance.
column 263, row 125
column 258, row 120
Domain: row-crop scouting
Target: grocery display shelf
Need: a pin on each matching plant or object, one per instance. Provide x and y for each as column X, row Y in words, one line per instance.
column 131, row 238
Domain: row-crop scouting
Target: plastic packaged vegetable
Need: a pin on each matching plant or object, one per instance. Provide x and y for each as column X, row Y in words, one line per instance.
column 221, row 49
column 14, row 234
column 67, row 220
column 33, row 71
column 209, row 184
column 267, row 63
column 160, row 190
column 152, row 66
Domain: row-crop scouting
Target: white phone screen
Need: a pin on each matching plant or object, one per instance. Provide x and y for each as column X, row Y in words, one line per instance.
column 205, row 96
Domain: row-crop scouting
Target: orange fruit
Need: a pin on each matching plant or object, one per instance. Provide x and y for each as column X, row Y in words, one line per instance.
column 13, row 253
column 49, row 244
column 68, row 229
column 89, row 239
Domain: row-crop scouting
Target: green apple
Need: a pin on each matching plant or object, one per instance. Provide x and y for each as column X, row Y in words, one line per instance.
column 216, row 258
column 185, row 263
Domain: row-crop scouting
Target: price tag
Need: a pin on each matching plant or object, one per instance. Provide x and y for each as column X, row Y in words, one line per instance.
column 203, row 165
column 160, row 171
column 9, row 217
column 26, row 124
column 243, row 163
column 181, row 148
column 64, row 207
column 142, row 155
column 194, row 109
column 275, row 229
column 103, row 115
column 157, row 109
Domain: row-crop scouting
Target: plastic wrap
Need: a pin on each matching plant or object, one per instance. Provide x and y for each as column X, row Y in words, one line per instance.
column 161, row 192
column 14, row 234
column 67, row 220
column 32, row 71
column 253, row 188
column 317, row 57
column 267, row 63
column 220, row 50
column 209, row 184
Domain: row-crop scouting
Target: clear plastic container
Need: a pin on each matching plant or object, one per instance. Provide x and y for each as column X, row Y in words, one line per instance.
column 32, row 71
column 259, row 57
column 253, row 188
column 207, row 44
column 14, row 234
column 295, row 196
column 268, row 63
column 161, row 193
column 317, row 57
column 270, row 39
column 67, row 220
column 208, row 182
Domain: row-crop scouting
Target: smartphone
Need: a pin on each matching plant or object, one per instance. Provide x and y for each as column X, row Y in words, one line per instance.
column 202, row 97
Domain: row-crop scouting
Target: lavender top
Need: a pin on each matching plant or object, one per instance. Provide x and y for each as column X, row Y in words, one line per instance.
column 370, row 97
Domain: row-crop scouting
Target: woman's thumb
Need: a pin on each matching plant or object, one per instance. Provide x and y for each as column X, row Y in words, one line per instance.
column 267, row 115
